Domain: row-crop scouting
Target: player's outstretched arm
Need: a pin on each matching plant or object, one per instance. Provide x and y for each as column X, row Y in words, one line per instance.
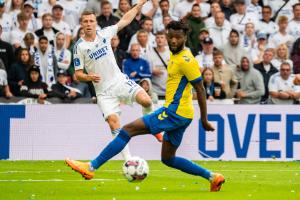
column 81, row 76
column 201, row 96
column 130, row 15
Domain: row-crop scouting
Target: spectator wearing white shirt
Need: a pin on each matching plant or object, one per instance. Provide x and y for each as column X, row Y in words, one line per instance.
column 286, row 9
column 158, row 58
column 241, row 18
column 33, row 23
column 205, row 58
column 17, row 34
column 63, row 55
column 282, row 89
column 124, row 7
column 164, row 10
column 161, row 26
column 266, row 23
column 281, row 56
column 72, row 11
column 255, row 8
column 214, row 9
column 220, row 30
column 147, row 26
column 15, row 8
column 205, row 8
column 150, row 9
column 5, row 22
column 282, row 36
column 59, row 24
column 249, row 39
column 4, row 88
column 182, row 8
column 294, row 25
column 143, row 42
column 45, row 7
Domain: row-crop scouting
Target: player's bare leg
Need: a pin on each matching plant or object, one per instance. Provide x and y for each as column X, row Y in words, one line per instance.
column 114, row 125
column 145, row 101
column 168, row 157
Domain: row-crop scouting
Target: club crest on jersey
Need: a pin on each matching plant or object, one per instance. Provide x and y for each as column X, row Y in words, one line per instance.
column 98, row 53
column 104, row 41
column 76, row 62
column 187, row 59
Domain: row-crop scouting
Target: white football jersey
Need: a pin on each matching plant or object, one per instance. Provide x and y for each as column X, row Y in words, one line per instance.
column 98, row 57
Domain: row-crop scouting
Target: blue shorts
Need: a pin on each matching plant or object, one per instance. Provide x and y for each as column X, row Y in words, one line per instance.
column 165, row 120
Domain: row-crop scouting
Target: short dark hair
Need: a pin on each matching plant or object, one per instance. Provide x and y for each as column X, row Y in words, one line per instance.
column 161, row 1
column 267, row 7
column 87, row 12
column 160, row 33
column 295, row 5
column 104, row 3
column 178, row 25
column 234, row 31
column 217, row 53
column 43, row 37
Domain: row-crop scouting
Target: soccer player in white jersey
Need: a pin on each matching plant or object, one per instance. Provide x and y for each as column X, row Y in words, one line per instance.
column 93, row 53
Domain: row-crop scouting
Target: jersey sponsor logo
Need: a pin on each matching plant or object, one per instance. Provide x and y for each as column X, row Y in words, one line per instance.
column 76, row 62
column 187, row 59
column 98, row 53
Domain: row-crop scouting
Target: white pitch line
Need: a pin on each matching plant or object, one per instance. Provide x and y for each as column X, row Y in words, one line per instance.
column 154, row 170
column 61, row 180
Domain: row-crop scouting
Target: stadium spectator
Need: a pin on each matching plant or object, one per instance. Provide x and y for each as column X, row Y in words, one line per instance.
column 248, row 39
column 214, row 90
column 214, row 9
column 44, row 58
column 94, row 6
column 258, row 50
column 266, row 24
column 251, row 84
column 62, row 54
column 241, row 18
column 160, row 21
column 227, row 8
column 5, row 22
column 233, row 52
column 34, row 87
column 281, row 56
column 281, row 36
column 204, row 7
column 219, row 30
column 205, row 58
column 62, row 90
column 106, row 18
column 124, row 6
column 143, row 41
column 60, row 25
column 6, row 52
column 33, row 23
column 281, row 86
column 146, row 84
column 136, row 67
column 14, row 9
column 254, row 8
column 18, row 34
column 147, row 26
column 223, row 74
column 294, row 25
column 29, row 43
column 47, row 28
column 203, row 33
column 281, row 7
column 295, row 56
column 150, row 9
column 4, row 87
column 72, row 11
column 158, row 58
column 18, row 73
column 182, row 8
column 267, row 70
column 195, row 23
column 120, row 55
column 45, row 7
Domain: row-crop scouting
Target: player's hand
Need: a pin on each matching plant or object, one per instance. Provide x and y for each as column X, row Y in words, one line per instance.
column 207, row 126
column 94, row 77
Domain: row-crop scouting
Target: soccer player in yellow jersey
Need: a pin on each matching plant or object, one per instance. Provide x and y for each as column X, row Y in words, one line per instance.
column 173, row 118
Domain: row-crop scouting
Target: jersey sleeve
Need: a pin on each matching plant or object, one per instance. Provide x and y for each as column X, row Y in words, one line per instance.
column 110, row 31
column 191, row 70
column 78, row 59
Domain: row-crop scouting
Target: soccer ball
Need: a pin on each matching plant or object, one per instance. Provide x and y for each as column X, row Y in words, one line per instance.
column 135, row 169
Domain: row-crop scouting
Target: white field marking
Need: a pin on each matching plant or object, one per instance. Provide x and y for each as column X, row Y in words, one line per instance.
column 61, row 180
column 154, row 170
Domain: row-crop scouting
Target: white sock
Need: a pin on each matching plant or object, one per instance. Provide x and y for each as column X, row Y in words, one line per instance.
column 125, row 152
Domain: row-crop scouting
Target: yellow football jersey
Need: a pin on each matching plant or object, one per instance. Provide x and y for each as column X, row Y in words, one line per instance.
column 183, row 69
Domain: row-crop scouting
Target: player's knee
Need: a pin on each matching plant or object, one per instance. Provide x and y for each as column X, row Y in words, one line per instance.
column 113, row 121
column 168, row 161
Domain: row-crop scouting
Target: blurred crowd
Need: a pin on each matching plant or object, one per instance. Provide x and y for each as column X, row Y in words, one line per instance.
column 248, row 50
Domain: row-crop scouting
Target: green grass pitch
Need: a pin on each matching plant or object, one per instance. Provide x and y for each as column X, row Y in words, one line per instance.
column 53, row 180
